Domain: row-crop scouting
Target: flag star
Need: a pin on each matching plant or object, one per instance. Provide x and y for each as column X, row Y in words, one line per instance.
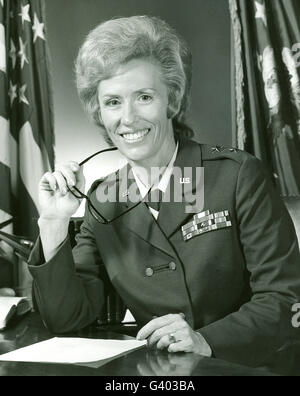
column 261, row 12
column 38, row 29
column 22, row 97
column 22, row 53
column 12, row 93
column 24, row 14
column 13, row 53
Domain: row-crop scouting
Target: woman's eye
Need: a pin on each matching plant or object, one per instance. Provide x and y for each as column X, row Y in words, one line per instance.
column 145, row 98
column 112, row 103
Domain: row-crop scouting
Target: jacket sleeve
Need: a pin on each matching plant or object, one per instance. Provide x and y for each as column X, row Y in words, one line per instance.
column 69, row 289
column 271, row 251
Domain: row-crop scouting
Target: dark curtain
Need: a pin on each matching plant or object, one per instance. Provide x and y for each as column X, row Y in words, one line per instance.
column 266, row 86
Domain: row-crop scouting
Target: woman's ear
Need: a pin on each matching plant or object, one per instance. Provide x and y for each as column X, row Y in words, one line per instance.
column 170, row 112
column 173, row 110
column 100, row 117
column 174, row 105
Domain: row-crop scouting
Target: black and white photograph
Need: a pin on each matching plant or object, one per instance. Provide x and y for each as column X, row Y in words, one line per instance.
column 149, row 190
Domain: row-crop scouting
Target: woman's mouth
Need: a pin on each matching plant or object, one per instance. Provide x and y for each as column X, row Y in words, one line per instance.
column 133, row 137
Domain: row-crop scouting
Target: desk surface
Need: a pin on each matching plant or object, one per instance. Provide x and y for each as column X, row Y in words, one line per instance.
column 142, row 362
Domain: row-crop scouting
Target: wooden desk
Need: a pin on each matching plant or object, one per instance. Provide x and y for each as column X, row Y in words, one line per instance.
column 138, row 363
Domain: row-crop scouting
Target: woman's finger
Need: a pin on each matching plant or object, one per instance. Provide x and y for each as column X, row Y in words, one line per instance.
column 76, row 176
column 48, row 181
column 156, row 324
column 80, row 179
column 74, row 166
column 68, row 174
column 181, row 346
column 166, row 331
column 185, row 341
column 61, row 182
column 164, row 342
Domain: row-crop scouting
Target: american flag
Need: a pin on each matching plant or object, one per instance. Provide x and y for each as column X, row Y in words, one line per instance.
column 26, row 118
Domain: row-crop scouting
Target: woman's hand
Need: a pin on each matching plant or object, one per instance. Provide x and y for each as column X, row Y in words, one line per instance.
column 56, row 201
column 174, row 333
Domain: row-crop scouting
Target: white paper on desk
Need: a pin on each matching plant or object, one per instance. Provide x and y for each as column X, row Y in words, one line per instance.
column 72, row 350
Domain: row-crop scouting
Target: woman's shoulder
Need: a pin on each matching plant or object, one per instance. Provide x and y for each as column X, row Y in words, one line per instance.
column 234, row 162
column 214, row 152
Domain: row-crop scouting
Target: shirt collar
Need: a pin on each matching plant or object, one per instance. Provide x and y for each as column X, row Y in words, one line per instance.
column 164, row 179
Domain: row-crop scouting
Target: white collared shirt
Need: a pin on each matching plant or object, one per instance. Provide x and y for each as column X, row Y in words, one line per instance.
column 162, row 185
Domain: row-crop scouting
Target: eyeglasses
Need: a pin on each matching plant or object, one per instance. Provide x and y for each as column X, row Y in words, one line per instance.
column 92, row 210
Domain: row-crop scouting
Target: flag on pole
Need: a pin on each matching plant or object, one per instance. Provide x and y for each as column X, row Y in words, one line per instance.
column 26, row 117
column 267, row 86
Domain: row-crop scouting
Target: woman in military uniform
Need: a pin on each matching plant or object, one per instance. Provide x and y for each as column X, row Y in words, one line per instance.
column 215, row 272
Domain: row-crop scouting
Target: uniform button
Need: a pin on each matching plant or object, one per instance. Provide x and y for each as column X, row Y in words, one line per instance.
column 149, row 271
column 172, row 266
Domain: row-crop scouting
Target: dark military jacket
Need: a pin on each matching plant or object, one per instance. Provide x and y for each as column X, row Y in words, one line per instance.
column 235, row 284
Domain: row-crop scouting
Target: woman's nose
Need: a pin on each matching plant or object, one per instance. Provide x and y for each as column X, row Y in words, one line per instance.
column 129, row 114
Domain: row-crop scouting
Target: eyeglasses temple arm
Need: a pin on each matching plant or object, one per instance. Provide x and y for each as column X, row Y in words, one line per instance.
column 98, row 152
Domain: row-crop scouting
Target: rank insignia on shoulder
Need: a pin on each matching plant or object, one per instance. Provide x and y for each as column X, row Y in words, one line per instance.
column 204, row 222
column 233, row 150
column 220, row 149
column 217, row 149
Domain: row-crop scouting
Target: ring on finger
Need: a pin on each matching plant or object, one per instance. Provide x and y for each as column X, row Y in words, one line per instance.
column 172, row 338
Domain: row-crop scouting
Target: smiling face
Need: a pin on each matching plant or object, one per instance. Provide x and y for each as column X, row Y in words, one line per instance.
column 133, row 109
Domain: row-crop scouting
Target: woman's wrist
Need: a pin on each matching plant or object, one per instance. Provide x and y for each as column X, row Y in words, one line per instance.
column 204, row 346
column 45, row 219
column 52, row 233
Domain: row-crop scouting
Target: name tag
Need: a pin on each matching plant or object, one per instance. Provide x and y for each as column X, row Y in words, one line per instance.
column 204, row 222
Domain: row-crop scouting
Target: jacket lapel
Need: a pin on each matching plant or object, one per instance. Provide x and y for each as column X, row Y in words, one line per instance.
column 174, row 214
column 134, row 214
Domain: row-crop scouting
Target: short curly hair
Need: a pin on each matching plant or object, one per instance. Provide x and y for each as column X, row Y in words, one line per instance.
column 117, row 41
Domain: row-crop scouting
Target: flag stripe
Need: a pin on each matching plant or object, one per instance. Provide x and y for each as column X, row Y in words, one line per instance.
column 33, row 161
column 8, row 155
column 3, row 95
column 5, row 198
column 26, row 209
column 7, row 142
column 2, row 49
